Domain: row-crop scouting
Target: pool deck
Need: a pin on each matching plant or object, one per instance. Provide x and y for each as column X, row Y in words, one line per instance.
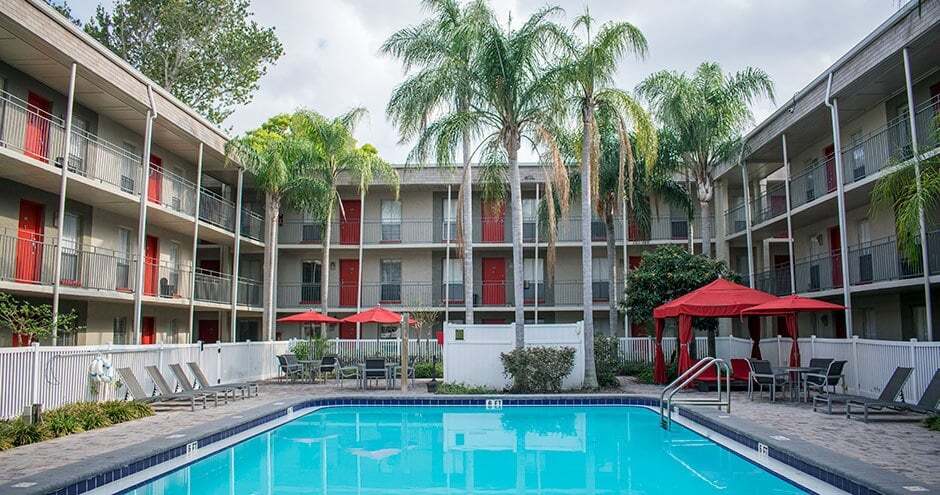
column 903, row 449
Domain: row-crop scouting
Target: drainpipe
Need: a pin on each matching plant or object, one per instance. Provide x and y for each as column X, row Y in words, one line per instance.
column 747, row 221
column 626, row 259
column 57, row 268
column 786, row 186
column 142, row 215
column 192, row 278
column 447, row 259
column 833, row 104
column 237, row 254
column 925, row 260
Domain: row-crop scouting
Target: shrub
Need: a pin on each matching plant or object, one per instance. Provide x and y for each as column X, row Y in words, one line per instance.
column 89, row 414
column 72, row 418
column 537, row 369
column 933, row 423
column 301, row 349
column 60, row 423
column 606, row 360
column 18, row 432
column 426, row 369
column 461, row 389
column 119, row 411
column 634, row 368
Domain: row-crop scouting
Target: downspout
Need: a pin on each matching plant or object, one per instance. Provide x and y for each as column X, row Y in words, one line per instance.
column 236, row 261
column 192, row 278
column 833, row 104
column 63, row 184
column 142, row 215
column 786, row 186
column 747, row 220
column 925, row 260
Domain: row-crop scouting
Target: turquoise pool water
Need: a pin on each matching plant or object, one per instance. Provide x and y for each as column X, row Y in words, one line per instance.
column 455, row 450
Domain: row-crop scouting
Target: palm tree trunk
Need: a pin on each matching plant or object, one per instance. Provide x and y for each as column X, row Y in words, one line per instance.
column 325, row 265
column 587, row 288
column 706, row 208
column 614, row 270
column 515, row 194
column 272, row 207
column 467, row 225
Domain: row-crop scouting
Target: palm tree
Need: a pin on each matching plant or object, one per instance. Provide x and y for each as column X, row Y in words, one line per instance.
column 441, row 48
column 280, row 158
column 707, row 112
column 900, row 193
column 588, row 71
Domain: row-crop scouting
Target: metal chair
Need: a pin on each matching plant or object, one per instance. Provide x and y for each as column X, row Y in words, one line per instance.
column 374, row 369
column 762, row 374
column 819, row 381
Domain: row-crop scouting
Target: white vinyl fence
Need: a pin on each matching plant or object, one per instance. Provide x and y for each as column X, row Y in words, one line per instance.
column 879, row 358
column 360, row 349
column 55, row 376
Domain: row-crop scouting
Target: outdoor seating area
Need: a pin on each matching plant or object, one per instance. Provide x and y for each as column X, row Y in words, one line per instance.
column 366, row 372
column 186, row 391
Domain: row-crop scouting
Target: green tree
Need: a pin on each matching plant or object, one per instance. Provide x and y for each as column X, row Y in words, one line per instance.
column 587, row 71
column 440, row 49
column 209, row 54
column 667, row 273
column 899, row 193
column 706, row 112
column 35, row 321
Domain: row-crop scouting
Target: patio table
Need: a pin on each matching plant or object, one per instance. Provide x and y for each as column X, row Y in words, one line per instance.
column 389, row 378
column 798, row 376
column 311, row 366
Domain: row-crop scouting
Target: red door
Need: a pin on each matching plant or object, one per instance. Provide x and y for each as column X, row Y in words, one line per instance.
column 29, row 242
column 209, row 330
column 494, row 281
column 829, row 155
column 635, row 261
column 151, row 260
column 155, row 186
column 347, row 330
column 148, row 331
column 835, row 254
column 349, row 222
column 39, row 110
column 494, row 219
column 348, row 282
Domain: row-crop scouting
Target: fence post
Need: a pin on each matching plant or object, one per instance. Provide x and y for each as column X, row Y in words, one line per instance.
column 858, row 383
column 913, row 346
column 160, row 357
column 649, row 349
column 779, row 351
column 812, row 346
column 34, row 389
column 218, row 362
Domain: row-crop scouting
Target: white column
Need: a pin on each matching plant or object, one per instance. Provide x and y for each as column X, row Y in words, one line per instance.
column 925, row 260
column 536, row 269
column 747, row 224
column 446, row 276
column 840, row 196
column 63, row 184
column 237, row 253
column 142, row 215
column 362, row 218
column 192, row 277
column 626, row 258
column 786, row 187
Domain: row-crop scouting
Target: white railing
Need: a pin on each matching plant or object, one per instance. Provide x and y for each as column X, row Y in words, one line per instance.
column 363, row 348
column 55, row 376
column 879, row 357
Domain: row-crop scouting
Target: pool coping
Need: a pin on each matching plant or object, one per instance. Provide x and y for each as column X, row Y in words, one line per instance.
column 849, row 474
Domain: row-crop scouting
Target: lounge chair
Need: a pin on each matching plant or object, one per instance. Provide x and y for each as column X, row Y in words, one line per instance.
column 762, row 374
column 819, row 381
column 137, row 392
column 927, row 405
column 204, row 383
column 160, row 384
column 183, row 381
column 290, row 367
column 889, row 393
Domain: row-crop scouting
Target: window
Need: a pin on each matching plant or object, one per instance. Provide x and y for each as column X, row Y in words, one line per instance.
column 391, row 221
column 129, row 167
column 449, row 208
column 857, row 155
column 119, row 330
column 530, row 215
column 533, row 275
column 452, row 277
column 390, row 277
column 600, row 269
column 311, row 229
column 310, row 286
column 71, row 233
column 123, row 259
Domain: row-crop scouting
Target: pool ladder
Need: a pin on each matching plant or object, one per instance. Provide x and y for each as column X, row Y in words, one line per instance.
column 667, row 399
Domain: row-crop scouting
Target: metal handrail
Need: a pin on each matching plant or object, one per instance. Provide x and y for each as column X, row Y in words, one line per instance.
column 666, row 400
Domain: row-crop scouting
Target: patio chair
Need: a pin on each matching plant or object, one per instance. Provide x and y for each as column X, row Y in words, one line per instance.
column 203, row 382
column 889, row 392
column 160, row 384
column 396, row 371
column 183, row 381
column 819, row 381
column 290, row 367
column 374, row 369
column 740, row 370
column 133, row 388
column 332, row 364
column 762, row 374
column 928, row 403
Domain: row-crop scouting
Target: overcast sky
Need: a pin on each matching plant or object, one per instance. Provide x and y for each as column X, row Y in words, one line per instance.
column 332, row 62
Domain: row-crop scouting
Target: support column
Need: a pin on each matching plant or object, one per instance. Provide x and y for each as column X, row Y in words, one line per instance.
column 786, row 188
column 142, row 215
column 63, row 184
column 747, row 225
column 237, row 253
column 192, row 278
column 362, row 218
column 833, row 105
column 925, row 260
column 446, row 277
column 626, row 259
column 536, row 269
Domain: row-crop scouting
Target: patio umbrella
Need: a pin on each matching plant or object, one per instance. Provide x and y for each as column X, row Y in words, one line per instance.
column 788, row 307
column 379, row 315
column 308, row 317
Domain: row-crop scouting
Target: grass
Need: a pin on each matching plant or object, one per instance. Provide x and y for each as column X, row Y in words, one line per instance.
column 70, row 419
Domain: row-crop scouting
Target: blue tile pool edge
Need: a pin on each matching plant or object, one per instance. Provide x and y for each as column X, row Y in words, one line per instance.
column 850, row 482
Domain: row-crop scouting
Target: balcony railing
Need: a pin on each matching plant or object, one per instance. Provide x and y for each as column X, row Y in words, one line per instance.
column 166, row 280
column 879, row 261
column 212, row 286
column 775, row 281
column 813, row 182
column 735, row 219
column 30, row 130
column 305, row 232
column 95, row 158
column 398, row 232
column 252, row 225
column 411, row 294
column 661, row 228
column 297, row 295
column 249, row 292
column 819, row 272
column 928, row 126
column 171, row 190
column 884, row 147
column 216, row 210
column 769, row 204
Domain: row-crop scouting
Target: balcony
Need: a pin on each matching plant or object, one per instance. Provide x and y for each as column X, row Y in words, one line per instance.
column 216, row 210
column 400, row 232
column 818, row 272
column 171, row 190
column 249, row 292
column 213, row 286
column 814, row 182
column 735, row 219
column 410, row 294
column 306, row 232
column 769, row 204
column 880, row 261
column 882, row 148
column 298, row 295
column 928, row 126
column 252, row 225
column 660, row 228
column 775, row 281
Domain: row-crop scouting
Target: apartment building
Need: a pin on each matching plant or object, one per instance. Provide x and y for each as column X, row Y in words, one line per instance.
column 158, row 238
column 402, row 253
column 798, row 215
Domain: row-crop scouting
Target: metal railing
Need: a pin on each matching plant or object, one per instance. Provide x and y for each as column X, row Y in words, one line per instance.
column 410, row 294
column 212, row 286
column 889, row 145
column 667, row 399
column 769, row 204
column 166, row 280
column 927, row 124
column 216, row 210
column 298, row 295
column 735, row 219
column 26, row 258
column 112, row 165
column 880, row 260
column 775, row 281
column 249, row 292
column 171, row 190
column 398, row 232
column 818, row 272
column 252, row 224
column 813, row 182
column 306, row 232
column 30, row 130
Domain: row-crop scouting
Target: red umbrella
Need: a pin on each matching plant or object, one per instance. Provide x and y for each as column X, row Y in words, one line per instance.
column 308, row 317
column 377, row 314
column 788, row 307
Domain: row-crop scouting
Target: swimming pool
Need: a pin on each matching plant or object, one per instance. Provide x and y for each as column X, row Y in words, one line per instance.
column 551, row 450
